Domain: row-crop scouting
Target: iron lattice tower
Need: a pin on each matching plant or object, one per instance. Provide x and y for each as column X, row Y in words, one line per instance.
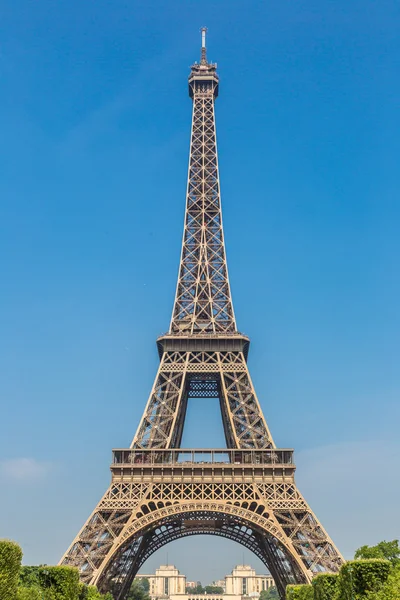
column 160, row 492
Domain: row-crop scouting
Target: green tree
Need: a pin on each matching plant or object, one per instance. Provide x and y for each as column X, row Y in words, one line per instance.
column 388, row 550
column 29, row 577
column 93, row 593
column 29, row 593
column 214, row 589
column 139, row 590
column 269, row 594
column 299, row 592
column 10, row 562
column 359, row 577
column 390, row 590
column 60, row 583
column 145, row 584
column 196, row 590
column 326, row 586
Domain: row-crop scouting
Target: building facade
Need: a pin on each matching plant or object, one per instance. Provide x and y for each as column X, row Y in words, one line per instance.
column 167, row 582
column 243, row 583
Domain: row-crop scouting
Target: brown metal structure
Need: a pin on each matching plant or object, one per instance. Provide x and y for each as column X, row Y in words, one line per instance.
column 160, row 492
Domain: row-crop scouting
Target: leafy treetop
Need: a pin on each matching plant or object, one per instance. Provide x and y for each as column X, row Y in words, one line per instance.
column 388, row 550
column 269, row 594
column 139, row 590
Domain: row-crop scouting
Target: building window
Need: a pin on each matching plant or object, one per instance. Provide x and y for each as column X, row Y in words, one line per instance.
column 166, row 586
column 263, row 584
column 244, row 586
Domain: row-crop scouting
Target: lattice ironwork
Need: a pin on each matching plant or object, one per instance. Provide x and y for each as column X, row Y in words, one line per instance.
column 203, row 302
column 222, row 375
column 160, row 492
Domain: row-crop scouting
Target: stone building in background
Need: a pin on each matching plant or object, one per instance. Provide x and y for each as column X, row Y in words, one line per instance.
column 242, row 584
column 166, row 583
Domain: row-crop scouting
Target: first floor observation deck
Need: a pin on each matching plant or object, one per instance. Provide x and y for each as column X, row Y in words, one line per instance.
column 203, row 463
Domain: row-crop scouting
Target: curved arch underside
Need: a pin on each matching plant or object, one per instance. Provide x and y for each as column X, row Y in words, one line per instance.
column 124, row 564
column 134, row 520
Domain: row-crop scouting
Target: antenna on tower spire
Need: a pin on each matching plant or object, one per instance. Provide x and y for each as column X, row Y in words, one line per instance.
column 203, row 60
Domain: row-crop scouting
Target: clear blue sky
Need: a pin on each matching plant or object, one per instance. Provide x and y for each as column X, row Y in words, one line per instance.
column 95, row 122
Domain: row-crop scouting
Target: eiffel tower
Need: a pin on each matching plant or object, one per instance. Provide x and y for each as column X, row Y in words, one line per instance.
column 160, row 492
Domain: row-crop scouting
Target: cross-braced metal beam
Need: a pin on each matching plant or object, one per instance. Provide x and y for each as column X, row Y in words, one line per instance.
column 203, row 302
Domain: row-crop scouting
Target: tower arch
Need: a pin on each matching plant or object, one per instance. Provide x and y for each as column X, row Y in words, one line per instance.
column 150, row 533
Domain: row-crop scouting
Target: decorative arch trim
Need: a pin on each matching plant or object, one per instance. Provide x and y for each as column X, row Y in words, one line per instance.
column 262, row 523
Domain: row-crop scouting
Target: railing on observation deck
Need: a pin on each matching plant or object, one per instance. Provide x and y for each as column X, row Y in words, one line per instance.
column 182, row 457
column 218, row 334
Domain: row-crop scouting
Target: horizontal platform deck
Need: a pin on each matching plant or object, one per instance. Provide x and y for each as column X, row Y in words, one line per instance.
column 203, row 463
column 222, row 342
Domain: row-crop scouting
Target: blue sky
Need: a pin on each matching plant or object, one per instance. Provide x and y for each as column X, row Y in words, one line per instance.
column 95, row 123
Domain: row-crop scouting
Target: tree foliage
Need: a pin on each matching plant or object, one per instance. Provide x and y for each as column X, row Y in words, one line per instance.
column 213, row 589
column 29, row 576
column 208, row 589
column 55, row 583
column 139, row 590
column 42, row 582
column 358, row 577
column 10, row 562
column 90, row 592
column 269, row 594
column 145, row 584
column 198, row 589
column 299, row 592
column 59, row 583
column 390, row 590
column 387, row 550
column 29, row 593
column 325, row 586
